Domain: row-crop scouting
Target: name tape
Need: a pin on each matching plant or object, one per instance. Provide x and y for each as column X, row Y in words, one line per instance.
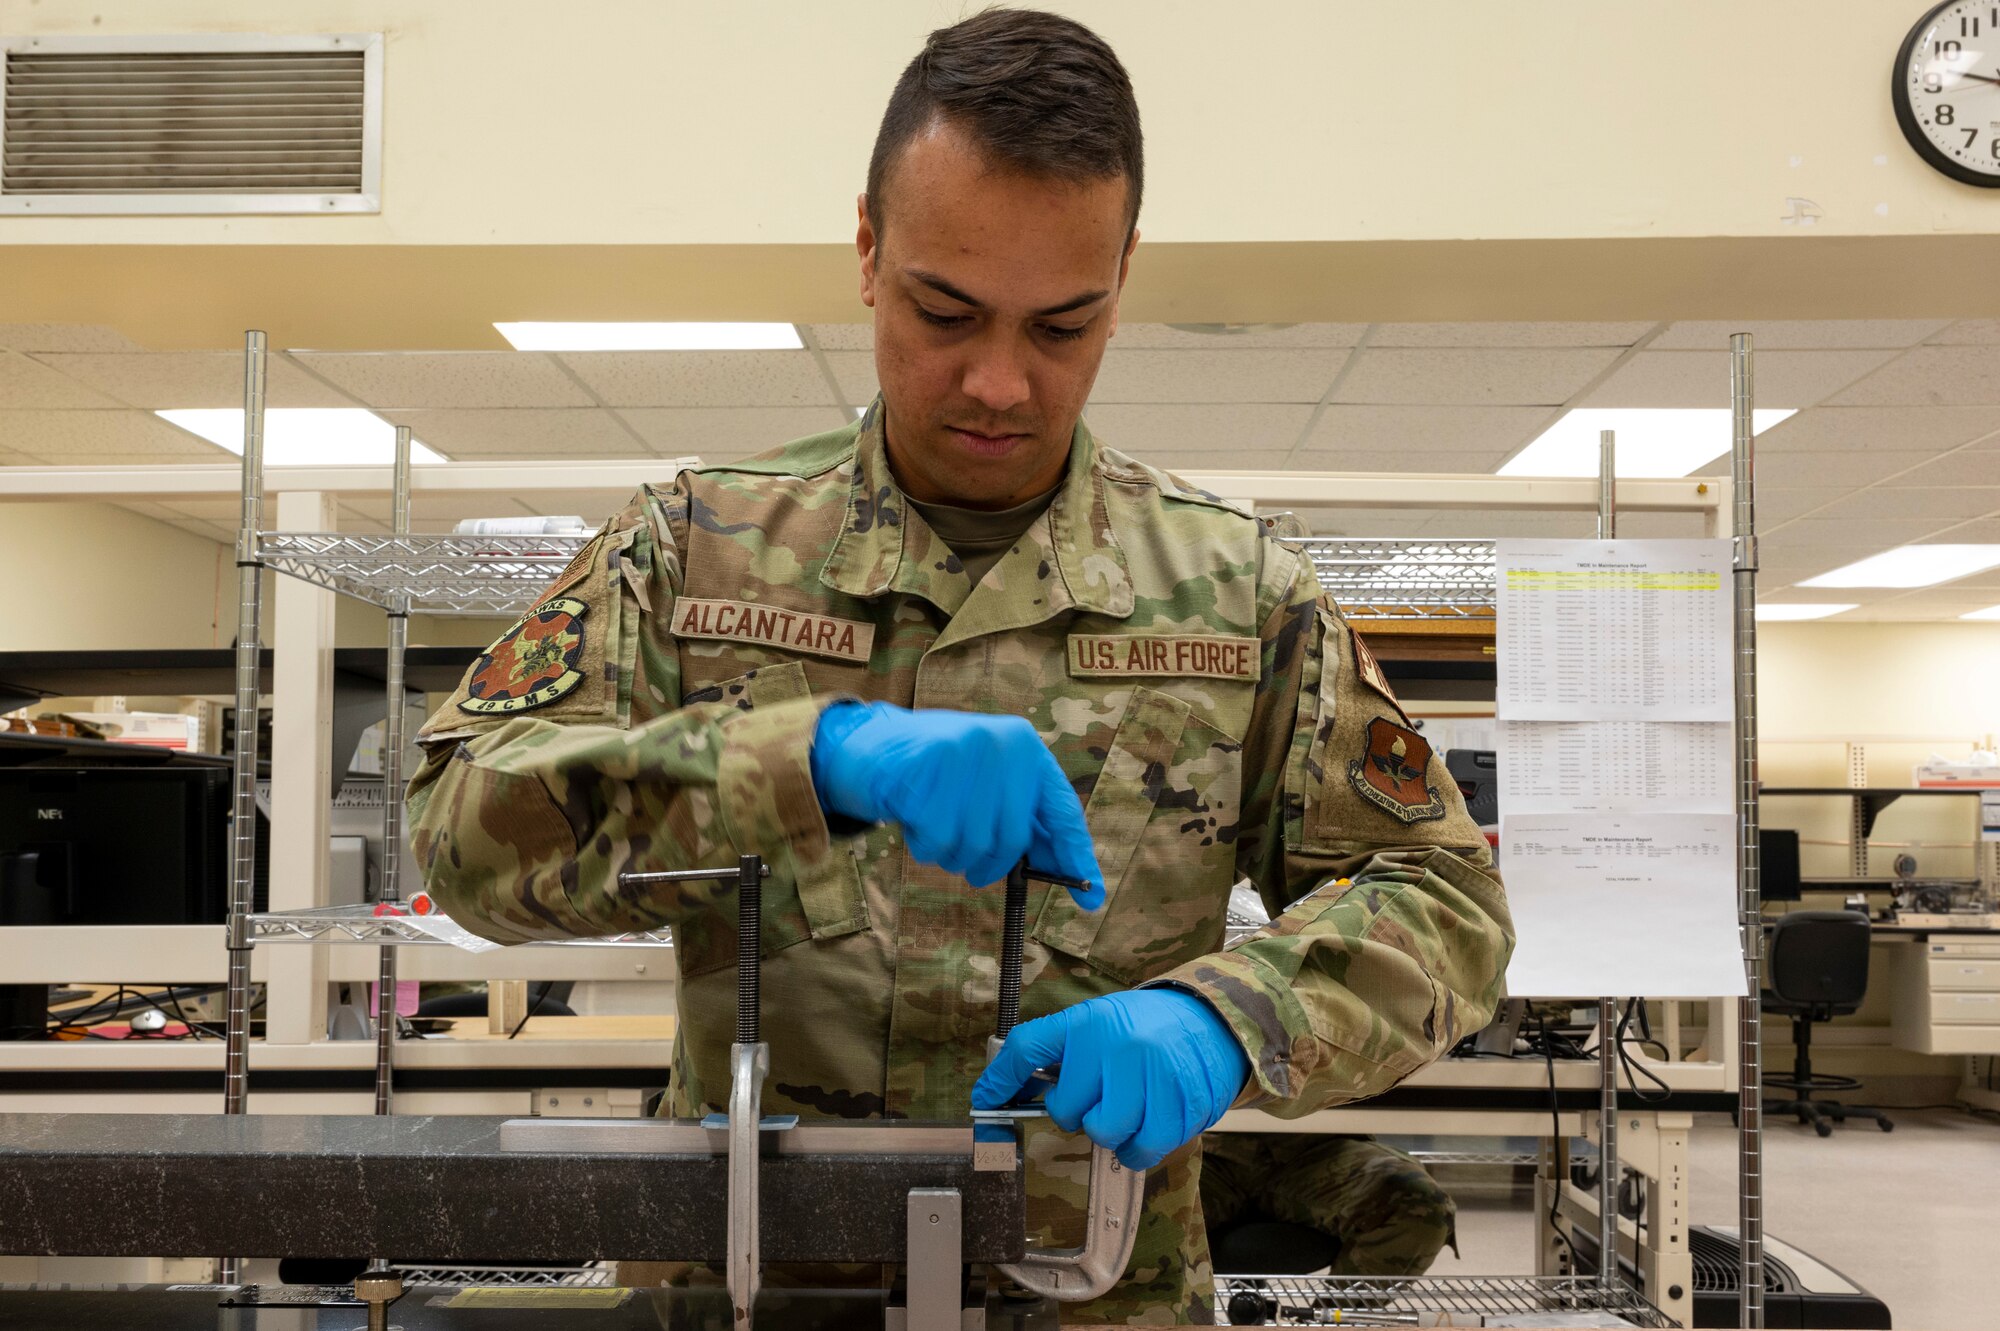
column 769, row 626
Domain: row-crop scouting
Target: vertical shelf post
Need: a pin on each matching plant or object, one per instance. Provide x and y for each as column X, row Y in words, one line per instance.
column 1607, row 1008
column 392, row 787
column 1750, row 1034
column 243, row 808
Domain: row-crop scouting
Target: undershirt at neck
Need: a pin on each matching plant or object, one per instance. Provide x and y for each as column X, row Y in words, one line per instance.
column 979, row 537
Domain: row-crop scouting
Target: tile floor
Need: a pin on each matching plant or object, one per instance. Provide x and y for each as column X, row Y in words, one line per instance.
column 1913, row 1215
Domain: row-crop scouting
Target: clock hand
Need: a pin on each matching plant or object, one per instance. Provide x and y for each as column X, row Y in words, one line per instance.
column 1977, row 78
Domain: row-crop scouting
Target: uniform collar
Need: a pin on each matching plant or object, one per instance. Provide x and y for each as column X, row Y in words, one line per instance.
column 884, row 545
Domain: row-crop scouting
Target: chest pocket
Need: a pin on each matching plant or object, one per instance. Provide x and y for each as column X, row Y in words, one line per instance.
column 824, row 901
column 1161, row 819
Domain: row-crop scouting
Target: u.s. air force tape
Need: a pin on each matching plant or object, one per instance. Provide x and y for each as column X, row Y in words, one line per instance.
column 1208, row 656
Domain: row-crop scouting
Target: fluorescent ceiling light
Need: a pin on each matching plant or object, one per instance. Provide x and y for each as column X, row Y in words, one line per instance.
column 1911, row 566
column 1651, row 441
column 651, row 336
column 305, row 436
column 1990, row 612
column 1793, row 610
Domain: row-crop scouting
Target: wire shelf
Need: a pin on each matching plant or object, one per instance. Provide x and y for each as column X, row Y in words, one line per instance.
column 437, row 575
column 360, row 924
column 1405, row 579
column 1397, row 1300
column 601, row 1276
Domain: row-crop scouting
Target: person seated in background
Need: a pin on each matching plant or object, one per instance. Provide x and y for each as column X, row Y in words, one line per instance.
column 1387, row 1215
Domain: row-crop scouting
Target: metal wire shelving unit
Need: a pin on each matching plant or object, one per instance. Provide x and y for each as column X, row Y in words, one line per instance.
column 431, row 575
column 1414, row 580
column 1399, row 1301
column 1411, row 579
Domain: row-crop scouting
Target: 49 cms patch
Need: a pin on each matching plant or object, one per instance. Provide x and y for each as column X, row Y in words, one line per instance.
column 534, row 663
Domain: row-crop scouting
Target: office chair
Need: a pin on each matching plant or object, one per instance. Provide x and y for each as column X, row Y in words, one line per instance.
column 1817, row 967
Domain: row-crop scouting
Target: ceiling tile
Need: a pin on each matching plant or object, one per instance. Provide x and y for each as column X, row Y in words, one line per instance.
column 1186, row 460
column 1431, row 429
column 1940, row 506
column 66, row 435
column 1969, row 331
column 1416, row 461
column 1797, row 335
column 719, row 433
column 64, row 337
column 854, row 371
column 419, row 379
column 1278, row 375
column 1491, row 376
column 1982, row 531
column 1781, row 503
column 1779, row 470
column 1913, row 430
column 157, row 380
column 116, row 459
column 554, row 433
column 843, row 337
column 705, row 378
column 1946, row 376
column 26, row 383
column 1219, row 428
column 1508, row 335
column 1701, row 378
column 1233, row 337
column 1865, row 534
column 1972, row 466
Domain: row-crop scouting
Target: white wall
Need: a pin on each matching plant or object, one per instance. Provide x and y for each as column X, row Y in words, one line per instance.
column 748, row 123
column 94, row 576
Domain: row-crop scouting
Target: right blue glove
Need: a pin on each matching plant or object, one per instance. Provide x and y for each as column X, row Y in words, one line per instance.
column 972, row 793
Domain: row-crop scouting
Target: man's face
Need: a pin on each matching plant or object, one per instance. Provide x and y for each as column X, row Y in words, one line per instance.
column 994, row 294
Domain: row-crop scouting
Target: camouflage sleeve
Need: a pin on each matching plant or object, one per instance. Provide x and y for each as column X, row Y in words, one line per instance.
column 538, row 786
column 1390, row 932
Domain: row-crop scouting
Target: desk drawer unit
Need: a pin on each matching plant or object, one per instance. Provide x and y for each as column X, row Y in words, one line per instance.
column 1965, row 973
column 1947, row 996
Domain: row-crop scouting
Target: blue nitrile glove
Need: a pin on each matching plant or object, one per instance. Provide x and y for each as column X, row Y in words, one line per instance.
column 1142, row 1072
column 972, row 793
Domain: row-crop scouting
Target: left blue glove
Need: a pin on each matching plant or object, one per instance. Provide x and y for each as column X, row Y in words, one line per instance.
column 1143, row 1072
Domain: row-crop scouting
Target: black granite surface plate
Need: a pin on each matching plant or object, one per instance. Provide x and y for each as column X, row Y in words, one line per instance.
column 440, row 1189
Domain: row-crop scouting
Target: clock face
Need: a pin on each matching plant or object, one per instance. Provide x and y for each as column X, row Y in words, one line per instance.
column 1946, row 87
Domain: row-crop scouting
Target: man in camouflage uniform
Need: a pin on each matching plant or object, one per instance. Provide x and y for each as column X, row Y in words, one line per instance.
column 1199, row 706
column 1386, row 1213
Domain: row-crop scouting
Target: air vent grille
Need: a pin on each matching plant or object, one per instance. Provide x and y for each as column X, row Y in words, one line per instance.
column 197, row 122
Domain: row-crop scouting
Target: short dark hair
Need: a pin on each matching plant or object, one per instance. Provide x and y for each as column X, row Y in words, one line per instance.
column 1038, row 92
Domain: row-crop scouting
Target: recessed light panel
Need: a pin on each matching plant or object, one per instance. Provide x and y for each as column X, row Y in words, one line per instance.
column 1652, row 442
column 1991, row 612
column 1779, row 611
column 651, row 336
column 1911, row 566
column 305, row 436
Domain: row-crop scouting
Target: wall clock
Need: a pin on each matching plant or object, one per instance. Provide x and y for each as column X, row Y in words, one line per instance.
column 1946, row 87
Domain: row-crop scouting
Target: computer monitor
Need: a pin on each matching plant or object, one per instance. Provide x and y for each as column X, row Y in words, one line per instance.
column 117, row 845
column 1778, row 863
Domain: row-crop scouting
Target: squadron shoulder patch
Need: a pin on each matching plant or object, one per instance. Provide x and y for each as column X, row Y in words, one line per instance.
column 534, row 663
column 1390, row 775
